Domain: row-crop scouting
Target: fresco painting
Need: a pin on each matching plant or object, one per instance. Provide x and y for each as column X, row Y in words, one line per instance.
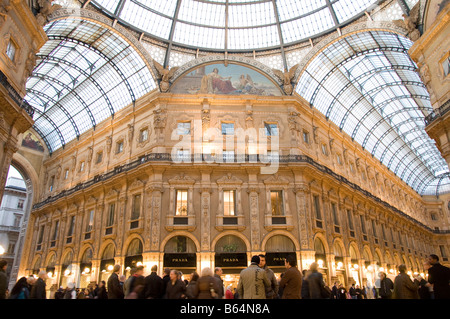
column 232, row 79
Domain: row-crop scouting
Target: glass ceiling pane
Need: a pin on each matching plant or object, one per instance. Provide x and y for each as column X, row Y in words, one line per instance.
column 346, row 9
column 146, row 20
column 202, row 13
column 376, row 100
column 251, row 15
column 84, row 79
column 300, row 19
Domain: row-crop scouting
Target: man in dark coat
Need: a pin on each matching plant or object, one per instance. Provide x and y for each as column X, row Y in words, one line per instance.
column 38, row 290
column 291, row 283
column 439, row 277
column 115, row 290
column 153, row 285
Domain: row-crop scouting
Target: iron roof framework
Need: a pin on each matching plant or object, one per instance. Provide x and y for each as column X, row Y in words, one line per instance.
column 367, row 84
column 84, row 74
column 234, row 25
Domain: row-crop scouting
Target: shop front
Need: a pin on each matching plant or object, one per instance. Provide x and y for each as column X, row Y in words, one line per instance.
column 67, row 270
column 277, row 249
column 86, row 268
column 133, row 257
column 180, row 254
column 107, row 263
column 231, row 256
column 320, row 259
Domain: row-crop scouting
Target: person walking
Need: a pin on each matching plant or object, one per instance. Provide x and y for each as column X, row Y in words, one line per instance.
column 100, row 292
column 334, row 290
column 153, row 285
column 292, row 280
column 70, row 291
column 176, row 288
column 217, row 274
column 253, row 281
column 315, row 282
column 137, row 282
column 115, row 290
column 352, row 291
column 272, row 291
column 207, row 287
column 38, row 290
column 305, row 286
column 191, row 287
column 20, row 289
column 386, row 287
column 166, row 279
column 3, row 279
column 423, row 286
column 404, row 288
column 229, row 293
column 439, row 277
column 342, row 292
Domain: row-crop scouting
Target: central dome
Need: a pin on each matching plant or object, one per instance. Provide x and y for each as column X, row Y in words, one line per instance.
column 235, row 25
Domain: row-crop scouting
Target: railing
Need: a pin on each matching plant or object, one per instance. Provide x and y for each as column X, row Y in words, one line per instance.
column 196, row 158
column 440, row 112
column 13, row 94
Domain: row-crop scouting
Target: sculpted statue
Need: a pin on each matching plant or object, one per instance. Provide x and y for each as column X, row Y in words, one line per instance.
column 286, row 77
column 410, row 22
column 164, row 75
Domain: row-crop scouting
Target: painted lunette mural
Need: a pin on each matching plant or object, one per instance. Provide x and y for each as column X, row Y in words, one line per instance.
column 232, row 79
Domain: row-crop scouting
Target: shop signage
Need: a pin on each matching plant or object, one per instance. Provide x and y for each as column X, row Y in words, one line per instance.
column 278, row 259
column 180, row 260
column 231, row 260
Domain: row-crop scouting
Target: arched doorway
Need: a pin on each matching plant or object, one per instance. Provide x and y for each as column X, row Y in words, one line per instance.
column 354, row 267
column 86, row 268
column 231, row 256
column 321, row 258
column 339, row 264
column 107, row 262
column 67, row 269
column 17, row 202
column 133, row 257
column 180, row 254
column 277, row 248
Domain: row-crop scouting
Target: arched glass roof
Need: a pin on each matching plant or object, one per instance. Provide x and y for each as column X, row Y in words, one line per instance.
column 234, row 24
column 367, row 84
column 84, row 74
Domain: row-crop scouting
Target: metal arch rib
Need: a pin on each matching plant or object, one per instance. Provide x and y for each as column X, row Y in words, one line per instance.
column 375, row 89
column 87, row 75
column 439, row 182
column 416, row 129
column 58, row 131
column 50, row 149
column 41, row 95
column 353, row 56
column 110, row 60
column 383, row 119
column 393, row 141
column 71, row 91
column 372, row 71
column 422, row 185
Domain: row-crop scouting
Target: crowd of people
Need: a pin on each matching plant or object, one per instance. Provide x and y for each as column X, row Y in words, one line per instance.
column 255, row 282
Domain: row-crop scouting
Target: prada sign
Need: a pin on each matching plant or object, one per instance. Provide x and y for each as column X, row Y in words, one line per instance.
column 180, row 260
column 231, row 260
column 278, row 259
